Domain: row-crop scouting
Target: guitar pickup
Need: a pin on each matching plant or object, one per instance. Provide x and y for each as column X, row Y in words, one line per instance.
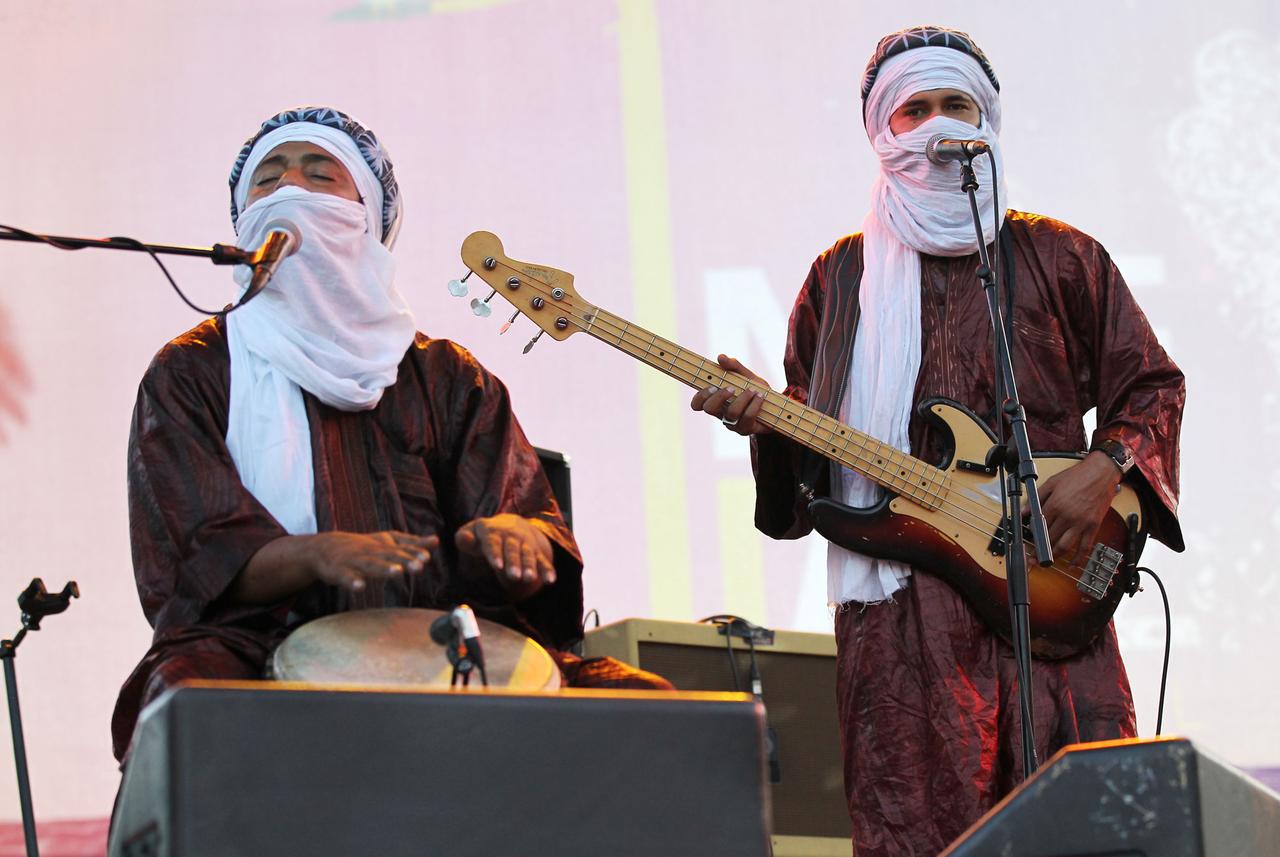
column 1099, row 571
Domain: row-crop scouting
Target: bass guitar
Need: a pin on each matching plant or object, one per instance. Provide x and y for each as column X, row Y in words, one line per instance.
column 945, row 520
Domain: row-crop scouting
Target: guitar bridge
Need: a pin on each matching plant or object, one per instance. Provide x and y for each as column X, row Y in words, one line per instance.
column 1099, row 570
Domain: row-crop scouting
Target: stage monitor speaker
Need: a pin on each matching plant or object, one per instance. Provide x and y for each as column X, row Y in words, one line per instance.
column 224, row 768
column 1161, row 797
column 797, row 670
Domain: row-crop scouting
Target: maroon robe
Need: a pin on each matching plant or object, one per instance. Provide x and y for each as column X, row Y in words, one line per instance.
column 926, row 694
column 441, row 448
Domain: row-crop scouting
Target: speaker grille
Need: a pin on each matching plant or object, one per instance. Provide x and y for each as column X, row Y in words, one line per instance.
column 799, row 693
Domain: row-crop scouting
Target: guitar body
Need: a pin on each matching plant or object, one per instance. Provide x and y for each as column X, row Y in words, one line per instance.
column 1064, row 619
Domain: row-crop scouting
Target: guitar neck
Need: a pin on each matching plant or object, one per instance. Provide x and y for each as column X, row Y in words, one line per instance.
column 827, row 436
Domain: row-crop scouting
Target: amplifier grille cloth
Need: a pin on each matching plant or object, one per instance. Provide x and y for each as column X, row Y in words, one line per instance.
column 799, row 693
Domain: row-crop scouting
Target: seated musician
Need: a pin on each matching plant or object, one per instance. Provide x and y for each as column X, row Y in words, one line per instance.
column 311, row 453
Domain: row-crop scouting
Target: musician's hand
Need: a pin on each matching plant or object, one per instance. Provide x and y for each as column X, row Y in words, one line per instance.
column 349, row 559
column 518, row 552
column 1075, row 501
column 290, row 564
column 737, row 409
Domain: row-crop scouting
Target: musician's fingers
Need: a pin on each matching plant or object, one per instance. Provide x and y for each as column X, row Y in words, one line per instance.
column 427, row 543
column 1084, row 548
column 714, row 400
column 509, row 544
column 477, row 539
column 734, row 410
column 735, row 365
column 352, row 581
column 491, row 544
column 1058, row 528
column 546, row 568
column 528, row 560
column 1067, row 545
column 412, row 559
column 384, row 564
column 699, row 400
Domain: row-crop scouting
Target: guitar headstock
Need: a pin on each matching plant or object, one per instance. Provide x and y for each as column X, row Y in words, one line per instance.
column 545, row 295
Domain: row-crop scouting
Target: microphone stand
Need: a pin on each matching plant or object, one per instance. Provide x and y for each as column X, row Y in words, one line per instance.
column 1018, row 468
column 219, row 254
column 35, row 602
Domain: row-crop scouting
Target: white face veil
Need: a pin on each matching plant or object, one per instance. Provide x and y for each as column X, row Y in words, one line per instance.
column 330, row 322
column 916, row 207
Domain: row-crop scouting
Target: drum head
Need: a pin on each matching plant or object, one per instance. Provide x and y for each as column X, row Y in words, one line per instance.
column 393, row 646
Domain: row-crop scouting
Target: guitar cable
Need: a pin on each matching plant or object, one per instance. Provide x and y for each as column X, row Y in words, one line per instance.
column 1168, row 639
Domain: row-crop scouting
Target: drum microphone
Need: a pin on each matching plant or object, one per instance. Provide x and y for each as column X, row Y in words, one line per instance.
column 464, row 622
column 940, row 150
column 459, row 632
column 283, row 240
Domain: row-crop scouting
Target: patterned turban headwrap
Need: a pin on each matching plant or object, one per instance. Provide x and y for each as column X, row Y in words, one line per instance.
column 381, row 177
column 922, row 37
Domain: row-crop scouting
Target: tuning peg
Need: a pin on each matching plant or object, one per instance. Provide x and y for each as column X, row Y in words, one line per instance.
column 533, row 342
column 481, row 307
column 510, row 322
column 459, row 288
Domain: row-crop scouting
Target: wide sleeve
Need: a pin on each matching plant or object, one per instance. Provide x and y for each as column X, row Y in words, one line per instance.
column 192, row 523
column 490, row 468
column 776, row 460
column 1137, row 389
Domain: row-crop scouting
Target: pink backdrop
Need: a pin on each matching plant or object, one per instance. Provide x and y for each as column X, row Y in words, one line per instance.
column 686, row 161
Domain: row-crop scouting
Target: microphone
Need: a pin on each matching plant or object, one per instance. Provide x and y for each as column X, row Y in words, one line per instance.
column 940, row 150
column 464, row 621
column 283, row 240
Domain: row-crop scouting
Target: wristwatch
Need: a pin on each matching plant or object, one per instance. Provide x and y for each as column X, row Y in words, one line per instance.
column 1117, row 452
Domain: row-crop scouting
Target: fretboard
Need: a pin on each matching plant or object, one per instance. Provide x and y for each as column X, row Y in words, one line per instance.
column 889, row 467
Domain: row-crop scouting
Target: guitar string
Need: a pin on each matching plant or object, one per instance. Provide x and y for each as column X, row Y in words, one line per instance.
column 595, row 317
column 936, row 479
column 590, row 319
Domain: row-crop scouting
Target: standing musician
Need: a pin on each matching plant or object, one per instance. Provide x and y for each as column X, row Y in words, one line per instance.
column 891, row 317
column 311, row 453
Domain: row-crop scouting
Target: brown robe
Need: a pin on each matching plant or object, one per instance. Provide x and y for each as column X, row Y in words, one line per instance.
column 442, row 447
column 926, row 694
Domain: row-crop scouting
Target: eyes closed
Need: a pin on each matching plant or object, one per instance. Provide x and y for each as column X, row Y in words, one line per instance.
column 272, row 176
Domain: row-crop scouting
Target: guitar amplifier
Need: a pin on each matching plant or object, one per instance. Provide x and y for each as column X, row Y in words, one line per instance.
column 1160, row 797
column 226, row 768
column 798, row 677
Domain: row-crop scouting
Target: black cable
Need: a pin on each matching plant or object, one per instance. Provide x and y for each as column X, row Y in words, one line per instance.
column 592, row 612
column 727, row 619
column 1168, row 638
column 125, row 240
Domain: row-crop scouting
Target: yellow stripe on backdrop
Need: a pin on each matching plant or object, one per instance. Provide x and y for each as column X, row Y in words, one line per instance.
column 741, row 556
column 653, row 279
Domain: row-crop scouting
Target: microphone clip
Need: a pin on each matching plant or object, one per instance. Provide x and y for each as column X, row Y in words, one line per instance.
column 458, row 632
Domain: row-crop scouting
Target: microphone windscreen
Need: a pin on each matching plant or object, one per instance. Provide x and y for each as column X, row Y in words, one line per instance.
column 282, row 224
column 442, row 629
